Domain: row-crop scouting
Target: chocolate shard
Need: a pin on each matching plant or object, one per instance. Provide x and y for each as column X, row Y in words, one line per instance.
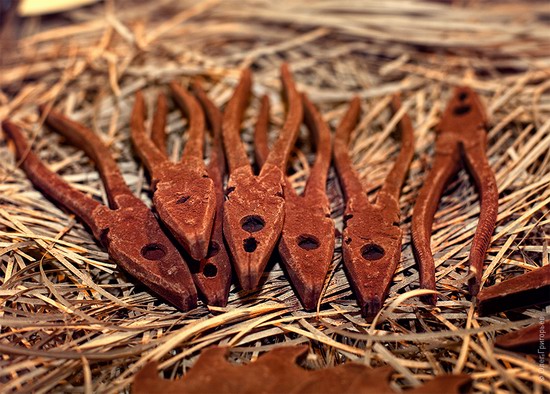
column 531, row 339
column 522, row 291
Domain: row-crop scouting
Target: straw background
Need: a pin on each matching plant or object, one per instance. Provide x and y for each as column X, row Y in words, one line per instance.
column 71, row 322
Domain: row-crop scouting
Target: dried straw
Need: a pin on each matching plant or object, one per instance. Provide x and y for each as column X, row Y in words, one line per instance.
column 70, row 321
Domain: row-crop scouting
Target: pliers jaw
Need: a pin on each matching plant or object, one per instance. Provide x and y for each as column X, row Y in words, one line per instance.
column 307, row 245
column 464, row 118
column 372, row 250
column 185, row 199
column 136, row 242
column 253, row 220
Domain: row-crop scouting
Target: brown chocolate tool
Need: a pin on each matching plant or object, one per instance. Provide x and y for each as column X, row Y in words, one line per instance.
column 372, row 237
column 128, row 229
column 184, row 194
column 531, row 339
column 461, row 133
column 254, row 206
column 212, row 274
column 307, row 241
column 523, row 291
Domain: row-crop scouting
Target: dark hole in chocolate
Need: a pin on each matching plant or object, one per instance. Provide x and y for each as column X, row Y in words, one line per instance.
column 462, row 110
column 463, row 96
column 228, row 191
column 372, row 252
column 153, row 251
column 250, row 244
column 213, row 249
column 308, row 242
column 210, row 270
column 183, row 199
column 252, row 223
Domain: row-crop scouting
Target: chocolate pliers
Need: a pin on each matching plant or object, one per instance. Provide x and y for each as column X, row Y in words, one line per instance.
column 183, row 193
column 307, row 241
column 212, row 274
column 216, row 266
column 128, row 229
column 372, row 236
column 254, row 206
column 461, row 132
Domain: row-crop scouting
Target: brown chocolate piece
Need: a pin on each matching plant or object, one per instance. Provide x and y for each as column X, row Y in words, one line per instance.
column 277, row 372
column 307, row 241
column 212, row 274
column 372, row 236
column 531, row 339
column 184, row 194
column 216, row 266
column 525, row 290
column 128, row 229
column 254, row 206
column 461, row 133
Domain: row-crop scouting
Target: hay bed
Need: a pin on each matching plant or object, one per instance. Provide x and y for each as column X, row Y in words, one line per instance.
column 69, row 321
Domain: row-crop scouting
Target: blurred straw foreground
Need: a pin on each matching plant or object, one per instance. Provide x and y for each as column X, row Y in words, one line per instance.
column 71, row 322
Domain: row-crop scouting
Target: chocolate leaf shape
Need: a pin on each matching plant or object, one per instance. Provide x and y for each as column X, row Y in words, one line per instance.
column 277, row 372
